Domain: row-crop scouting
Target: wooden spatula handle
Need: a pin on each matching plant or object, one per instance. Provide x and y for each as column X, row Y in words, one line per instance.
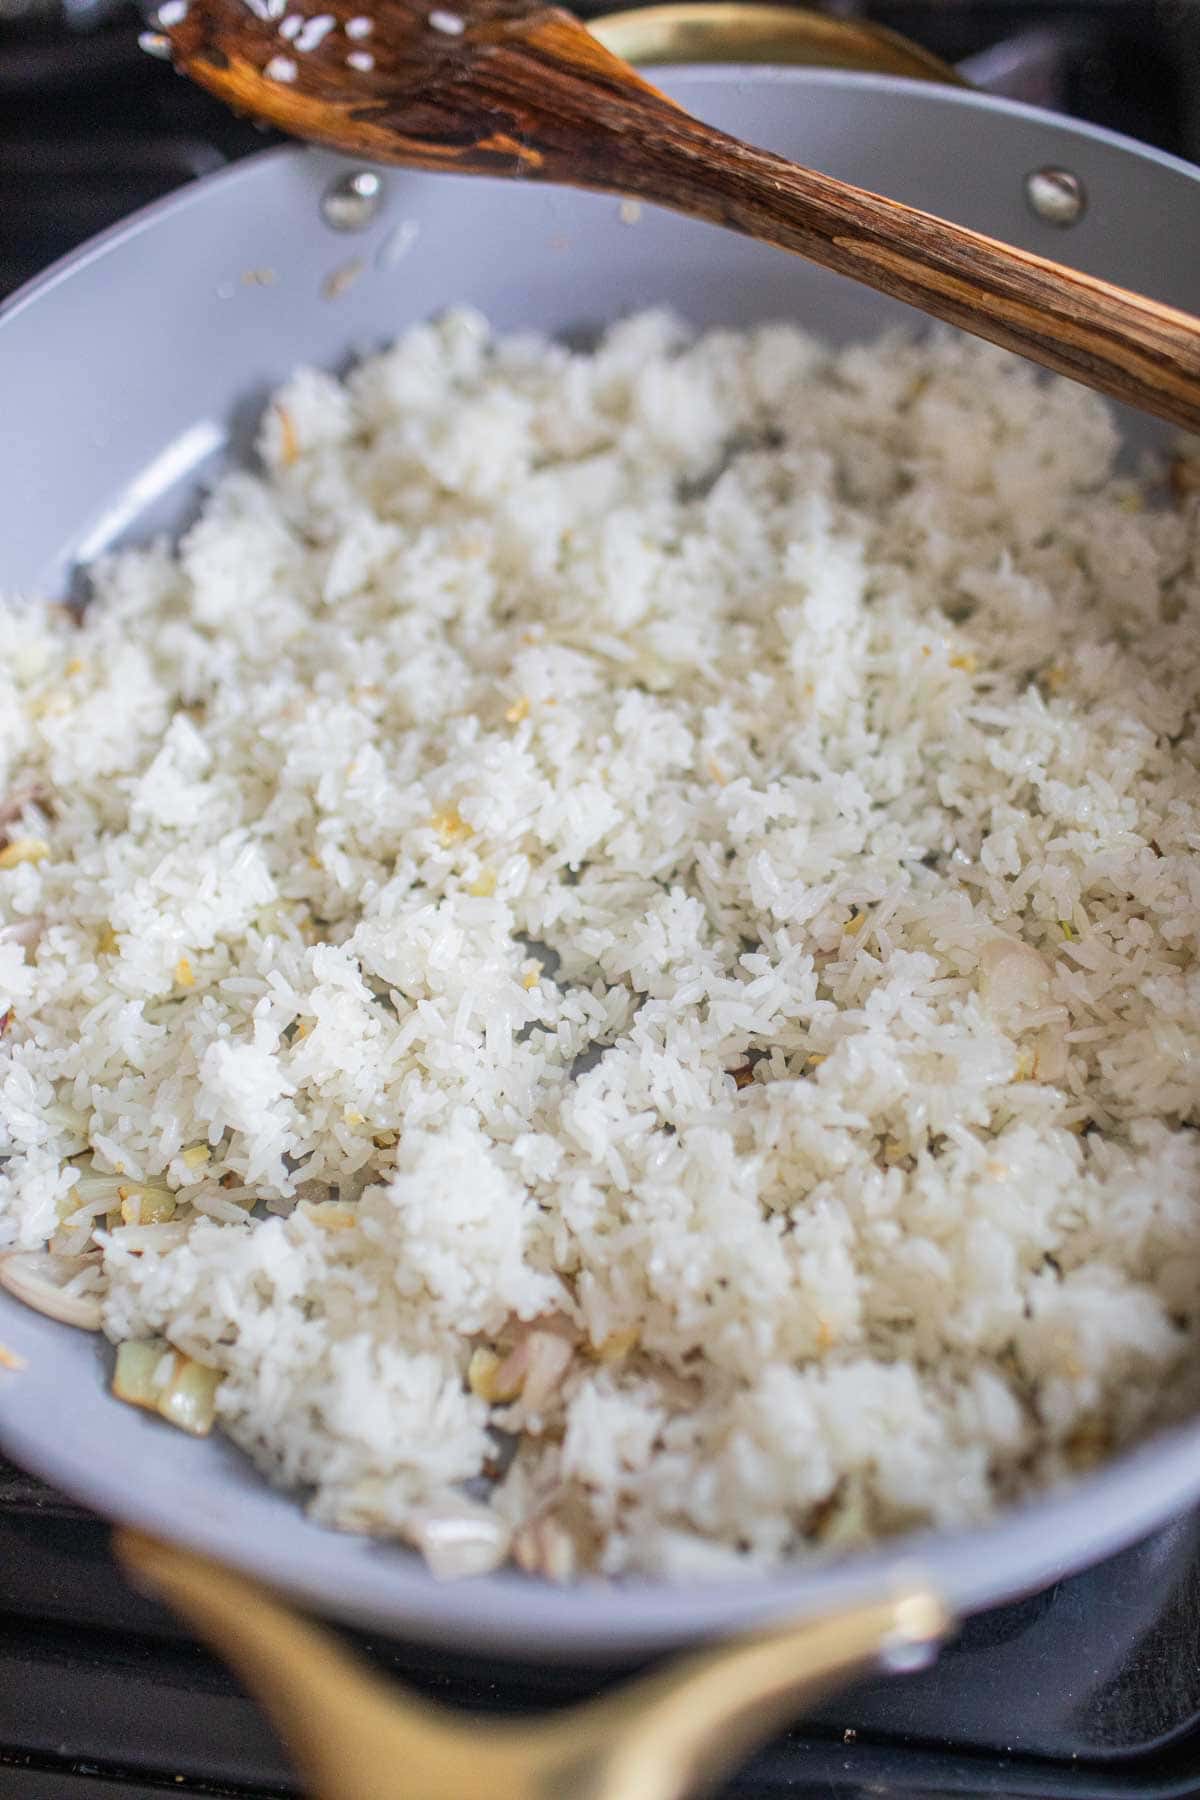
column 1129, row 347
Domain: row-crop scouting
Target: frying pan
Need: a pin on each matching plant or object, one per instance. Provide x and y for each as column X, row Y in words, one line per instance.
column 133, row 371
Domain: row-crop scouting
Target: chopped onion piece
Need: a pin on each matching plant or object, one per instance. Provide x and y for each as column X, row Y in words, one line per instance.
column 150, row 1374
column 1014, row 979
column 188, row 1400
column 459, row 1538
column 533, row 1369
column 135, row 1378
column 1050, row 1054
column 545, row 1547
column 550, row 1356
column 38, row 1279
column 25, row 932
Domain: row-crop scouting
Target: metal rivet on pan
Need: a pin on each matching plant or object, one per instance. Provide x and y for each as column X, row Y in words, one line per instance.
column 1056, row 196
column 352, row 201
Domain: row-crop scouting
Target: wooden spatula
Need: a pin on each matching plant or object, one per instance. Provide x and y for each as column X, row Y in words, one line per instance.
column 507, row 87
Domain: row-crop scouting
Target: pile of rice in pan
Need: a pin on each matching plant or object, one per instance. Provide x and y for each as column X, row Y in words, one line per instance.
column 601, row 966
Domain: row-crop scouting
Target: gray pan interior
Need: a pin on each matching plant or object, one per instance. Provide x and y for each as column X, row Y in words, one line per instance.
column 130, row 372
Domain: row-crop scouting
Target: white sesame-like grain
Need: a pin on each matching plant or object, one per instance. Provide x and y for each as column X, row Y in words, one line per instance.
column 313, row 30
column 361, row 60
column 290, row 26
column 359, row 27
column 280, row 68
column 154, row 44
column 173, row 13
column 397, row 244
column 451, row 23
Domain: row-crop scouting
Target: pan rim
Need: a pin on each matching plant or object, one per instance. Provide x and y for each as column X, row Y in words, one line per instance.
column 201, row 187
column 377, row 1584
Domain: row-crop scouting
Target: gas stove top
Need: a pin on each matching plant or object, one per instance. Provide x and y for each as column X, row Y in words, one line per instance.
column 1091, row 1690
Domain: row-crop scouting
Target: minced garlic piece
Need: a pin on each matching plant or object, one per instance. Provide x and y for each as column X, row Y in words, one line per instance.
column 617, row 1345
column 481, row 1373
column 23, row 850
column 450, row 826
column 331, row 1215
column 289, row 444
column 183, row 973
column 146, row 1206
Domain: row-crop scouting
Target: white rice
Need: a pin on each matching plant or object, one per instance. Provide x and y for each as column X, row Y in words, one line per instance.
column 684, row 709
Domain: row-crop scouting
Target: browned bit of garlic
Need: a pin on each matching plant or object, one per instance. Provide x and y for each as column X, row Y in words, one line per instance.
column 1089, row 1444
column 289, row 444
column 482, row 1372
column 23, row 850
column 618, row 1345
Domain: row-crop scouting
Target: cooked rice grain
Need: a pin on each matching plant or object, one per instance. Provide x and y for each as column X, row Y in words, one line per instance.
column 694, row 845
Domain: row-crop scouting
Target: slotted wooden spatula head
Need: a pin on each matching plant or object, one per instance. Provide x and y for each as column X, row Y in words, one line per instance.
column 504, row 87
column 508, row 87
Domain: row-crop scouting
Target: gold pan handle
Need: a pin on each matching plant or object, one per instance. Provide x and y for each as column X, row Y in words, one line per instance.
column 356, row 1737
